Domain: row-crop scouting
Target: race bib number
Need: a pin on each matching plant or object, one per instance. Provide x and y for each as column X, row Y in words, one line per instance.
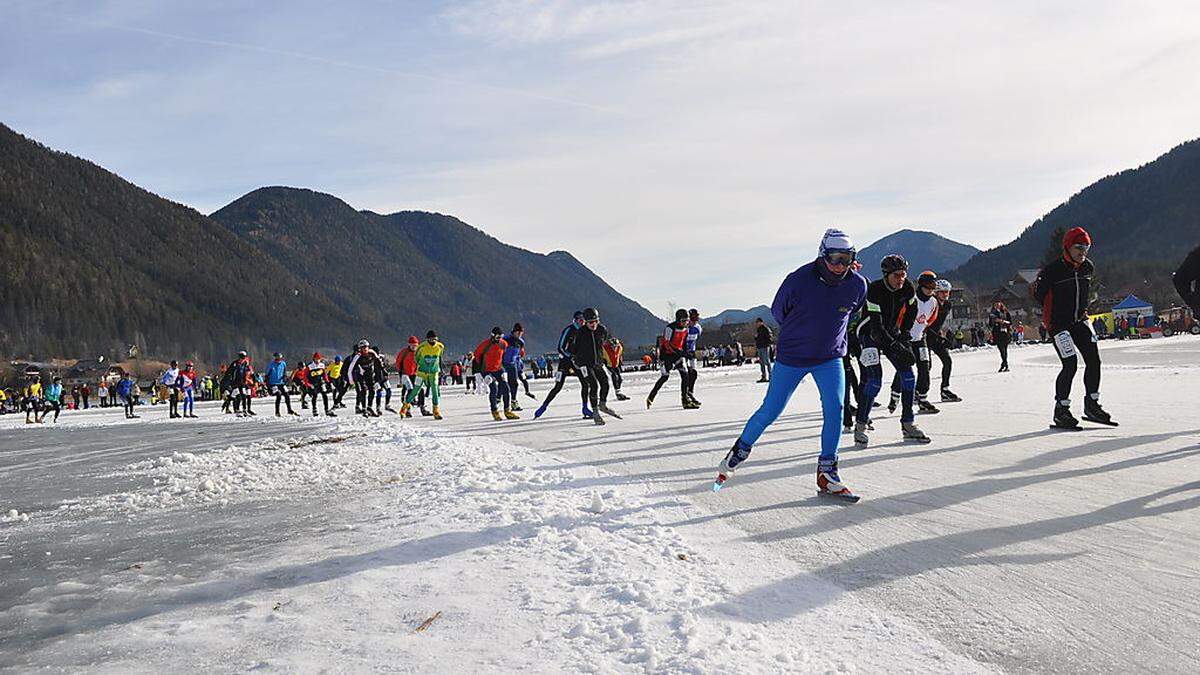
column 870, row 356
column 923, row 353
column 583, row 371
column 1065, row 345
column 1092, row 330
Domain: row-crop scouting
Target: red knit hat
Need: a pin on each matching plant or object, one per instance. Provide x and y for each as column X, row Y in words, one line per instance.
column 412, row 340
column 1076, row 235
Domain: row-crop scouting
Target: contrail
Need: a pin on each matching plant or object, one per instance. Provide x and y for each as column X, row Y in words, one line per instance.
column 360, row 67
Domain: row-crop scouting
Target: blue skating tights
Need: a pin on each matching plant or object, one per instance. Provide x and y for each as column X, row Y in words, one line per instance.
column 189, row 402
column 831, row 383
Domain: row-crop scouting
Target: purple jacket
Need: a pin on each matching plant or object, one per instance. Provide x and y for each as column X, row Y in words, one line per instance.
column 813, row 311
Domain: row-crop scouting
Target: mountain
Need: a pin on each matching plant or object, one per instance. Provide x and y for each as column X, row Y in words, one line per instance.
column 1143, row 222
column 923, row 250
column 738, row 316
column 94, row 263
column 405, row 272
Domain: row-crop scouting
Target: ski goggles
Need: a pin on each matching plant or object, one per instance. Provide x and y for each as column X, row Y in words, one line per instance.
column 839, row 257
column 1083, row 248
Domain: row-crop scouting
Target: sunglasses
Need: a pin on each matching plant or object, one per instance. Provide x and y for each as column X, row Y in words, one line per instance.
column 839, row 257
column 1082, row 247
column 592, row 321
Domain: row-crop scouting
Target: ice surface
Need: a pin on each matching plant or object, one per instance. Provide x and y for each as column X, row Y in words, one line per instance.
column 281, row 545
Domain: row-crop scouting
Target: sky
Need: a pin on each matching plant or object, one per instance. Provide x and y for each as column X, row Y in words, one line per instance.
column 690, row 153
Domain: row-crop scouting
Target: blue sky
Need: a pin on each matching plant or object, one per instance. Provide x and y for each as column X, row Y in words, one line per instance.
column 689, row 152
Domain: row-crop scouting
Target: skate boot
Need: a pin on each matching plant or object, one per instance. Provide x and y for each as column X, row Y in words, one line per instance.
column 913, row 433
column 597, row 419
column 736, row 455
column 860, row 434
column 404, row 410
column 496, row 415
column 587, row 413
column 277, row 414
column 539, row 412
column 425, row 413
column 894, row 402
column 437, row 415
column 829, row 484
column 510, row 415
column 609, row 411
column 949, row 396
column 649, row 402
column 517, row 406
column 293, row 413
column 622, row 397
column 693, row 400
column 924, row 407
column 690, row 405
column 1092, row 411
column 390, row 409
column 1063, row 419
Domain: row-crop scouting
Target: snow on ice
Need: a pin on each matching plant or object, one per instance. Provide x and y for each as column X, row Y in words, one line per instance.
column 400, row 545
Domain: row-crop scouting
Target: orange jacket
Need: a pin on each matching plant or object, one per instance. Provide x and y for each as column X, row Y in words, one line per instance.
column 406, row 362
column 491, row 354
column 613, row 354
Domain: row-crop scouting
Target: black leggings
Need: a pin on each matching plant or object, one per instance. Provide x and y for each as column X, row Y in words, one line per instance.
column 1077, row 340
column 672, row 362
column 615, row 375
column 852, row 386
column 595, row 385
column 565, row 368
column 1001, row 340
column 322, row 389
column 281, row 394
column 924, row 363
column 938, row 346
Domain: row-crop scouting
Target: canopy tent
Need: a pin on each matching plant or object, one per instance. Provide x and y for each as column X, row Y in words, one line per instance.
column 1133, row 306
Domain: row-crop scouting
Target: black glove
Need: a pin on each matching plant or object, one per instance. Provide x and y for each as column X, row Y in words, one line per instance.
column 900, row 354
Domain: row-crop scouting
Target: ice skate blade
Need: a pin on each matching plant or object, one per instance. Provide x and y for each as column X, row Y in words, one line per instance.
column 1110, row 423
column 848, row 499
column 1055, row 426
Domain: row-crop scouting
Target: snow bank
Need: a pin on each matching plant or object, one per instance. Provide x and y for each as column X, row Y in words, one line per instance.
column 461, row 555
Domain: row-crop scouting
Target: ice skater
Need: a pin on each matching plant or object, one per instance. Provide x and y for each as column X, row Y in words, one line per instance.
column 813, row 308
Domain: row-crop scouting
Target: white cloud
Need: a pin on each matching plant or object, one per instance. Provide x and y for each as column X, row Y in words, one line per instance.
column 684, row 149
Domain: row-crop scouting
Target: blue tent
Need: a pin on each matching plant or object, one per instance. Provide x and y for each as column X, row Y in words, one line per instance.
column 1132, row 303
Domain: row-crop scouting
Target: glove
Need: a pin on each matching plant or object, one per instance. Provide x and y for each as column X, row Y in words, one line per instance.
column 900, row 354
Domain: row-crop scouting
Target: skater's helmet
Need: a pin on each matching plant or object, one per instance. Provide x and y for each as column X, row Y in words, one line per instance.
column 316, row 356
column 517, row 327
column 174, row 363
column 928, row 279
column 590, row 314
column 242, row 354
column 893, row 263
column 836, row 241
column 578, row 315
column 189, row 364
column 277, row 355
column 363, row 343
column 412, row 340
column 944, row 285
column 431, row 335
column 681, row 315
column 496, row 332
column 694, row 314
